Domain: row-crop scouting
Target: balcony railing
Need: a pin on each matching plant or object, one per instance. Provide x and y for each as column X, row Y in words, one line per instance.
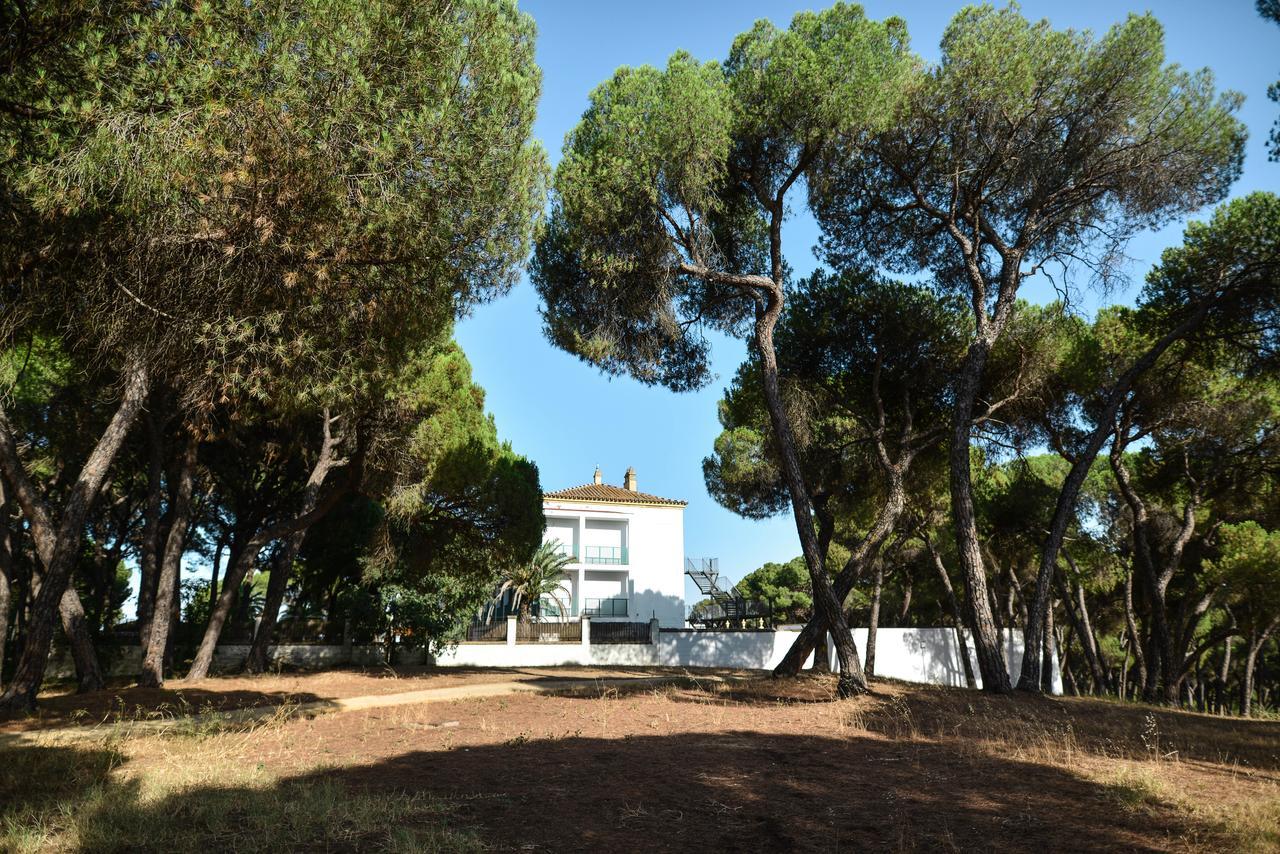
column 604, row 607
column 616, row 555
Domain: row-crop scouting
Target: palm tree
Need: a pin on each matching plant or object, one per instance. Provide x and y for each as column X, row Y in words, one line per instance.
column 541, row 576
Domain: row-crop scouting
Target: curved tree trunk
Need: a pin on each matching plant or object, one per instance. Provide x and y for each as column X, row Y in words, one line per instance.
column 1131, row 626
column 277, row 584
column 313, row 509
column 863, row 553
column 1081, row 465
column 20, row 696
column 825, row 601
column 153, row 652
column 1256, row 642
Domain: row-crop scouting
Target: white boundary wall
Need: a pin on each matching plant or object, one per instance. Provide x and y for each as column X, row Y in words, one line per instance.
column 927, row 655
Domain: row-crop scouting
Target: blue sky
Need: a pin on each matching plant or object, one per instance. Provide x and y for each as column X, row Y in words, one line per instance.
column 568, row 417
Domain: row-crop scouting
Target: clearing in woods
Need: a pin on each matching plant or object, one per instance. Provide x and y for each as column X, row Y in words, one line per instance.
column 724, row 761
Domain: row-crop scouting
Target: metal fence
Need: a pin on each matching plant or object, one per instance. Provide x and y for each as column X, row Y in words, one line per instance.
column 619, row 632
column 549, row 632
column 487, row 632
column 305, row 630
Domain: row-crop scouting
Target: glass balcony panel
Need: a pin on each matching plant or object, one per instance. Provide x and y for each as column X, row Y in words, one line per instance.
column 615, row 607
column 611, row 555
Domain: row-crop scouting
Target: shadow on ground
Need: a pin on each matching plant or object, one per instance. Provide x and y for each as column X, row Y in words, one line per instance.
column 732, row 791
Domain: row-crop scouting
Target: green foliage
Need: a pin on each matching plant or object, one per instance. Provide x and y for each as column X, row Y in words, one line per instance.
column 1037, row 143
column 456, row 499
column 269, row 200
column 542, row 577
column 785, row 586
column 1249, row 563
column 664, row 196
column 1235, row 256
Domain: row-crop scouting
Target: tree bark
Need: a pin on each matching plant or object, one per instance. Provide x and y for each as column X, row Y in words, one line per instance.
column 873, row 623
column 862, row 554
column 149, row 548
column 213, row 576
column 313, row 509
column 153, row 651
column 256, row 661
column 1082, row 631
column 20, row 696
column 1064, row 510
column 956, row 614
column 1220, row 684
column 1256, row 642
column 1046, row 669
column 991, row 664
column 1155, row 581
column 825, row 601
column 6, row 576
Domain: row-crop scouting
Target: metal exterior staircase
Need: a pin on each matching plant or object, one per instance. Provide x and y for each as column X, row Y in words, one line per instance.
column 727, row 608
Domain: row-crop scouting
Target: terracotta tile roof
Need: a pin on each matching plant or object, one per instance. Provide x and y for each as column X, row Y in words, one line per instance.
column 611, row 494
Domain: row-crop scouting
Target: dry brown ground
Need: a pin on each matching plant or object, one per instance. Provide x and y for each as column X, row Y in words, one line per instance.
column 741, row 765
column 128, row 702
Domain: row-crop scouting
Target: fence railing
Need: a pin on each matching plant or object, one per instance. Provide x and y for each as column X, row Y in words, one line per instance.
column 570, row 632
column 619, row 632
column 615, row 607
column 616, row 555
column 487, row 632
column 305, row 630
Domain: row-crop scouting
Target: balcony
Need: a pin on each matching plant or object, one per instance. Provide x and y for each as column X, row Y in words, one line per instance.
column 604, row 607
column 608, row 555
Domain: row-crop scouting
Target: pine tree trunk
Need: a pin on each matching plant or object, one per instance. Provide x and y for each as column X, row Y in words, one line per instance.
column 825, row 602
column 991, row 664
column 6, row 575
column 313, row 509
column 149, row 547
column 153, row 652
column 1046, row 667
column 277, row 584
column 873, row 624
column 1220, row 684
column 1257, row 640
column 866, row 551
column 20, row 696
column 956, row 614
column 213, row 577
column 6, row 595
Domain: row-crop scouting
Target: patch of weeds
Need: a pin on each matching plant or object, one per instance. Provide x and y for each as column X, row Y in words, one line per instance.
column 1252, row 826
column 1136, row 789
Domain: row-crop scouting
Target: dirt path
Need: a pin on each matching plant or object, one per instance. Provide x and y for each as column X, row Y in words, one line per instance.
column 555, row 686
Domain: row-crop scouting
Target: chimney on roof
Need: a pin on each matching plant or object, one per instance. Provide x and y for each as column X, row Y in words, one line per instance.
column 597, row 478
column 630, row 480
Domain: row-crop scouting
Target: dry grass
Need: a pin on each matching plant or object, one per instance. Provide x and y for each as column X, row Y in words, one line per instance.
column 910, row 768
column 188, row 788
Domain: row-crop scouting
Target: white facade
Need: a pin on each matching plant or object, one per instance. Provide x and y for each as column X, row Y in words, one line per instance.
column 627, row 550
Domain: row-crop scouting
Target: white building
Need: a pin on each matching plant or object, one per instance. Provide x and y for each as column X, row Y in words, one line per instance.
column 627, row 548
